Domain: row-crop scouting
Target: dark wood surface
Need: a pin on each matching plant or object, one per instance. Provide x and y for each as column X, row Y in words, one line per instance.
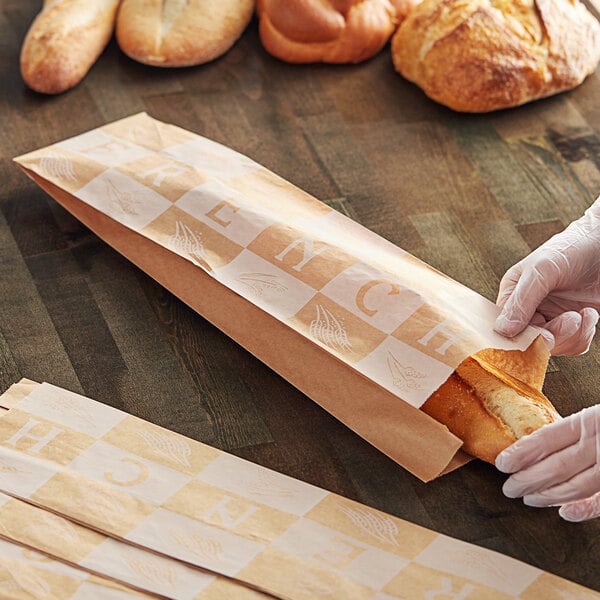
column 469, row 194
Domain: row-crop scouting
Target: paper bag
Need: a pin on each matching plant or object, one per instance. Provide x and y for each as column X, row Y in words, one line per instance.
column 187, row 521
column 360, row 326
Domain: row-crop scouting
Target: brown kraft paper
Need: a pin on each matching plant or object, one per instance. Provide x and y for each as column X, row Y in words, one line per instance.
column 368, row 374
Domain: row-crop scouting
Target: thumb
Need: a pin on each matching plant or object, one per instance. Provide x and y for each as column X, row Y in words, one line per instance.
column 521, row 305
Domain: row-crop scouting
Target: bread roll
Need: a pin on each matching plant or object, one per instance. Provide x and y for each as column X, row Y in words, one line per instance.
column 64, row 41
column 487, row 408
column 180, row 33
column 483, row 55
column 331, row 31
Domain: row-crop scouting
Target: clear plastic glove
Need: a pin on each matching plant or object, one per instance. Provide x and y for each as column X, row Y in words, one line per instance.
column 557, row 287
column 558, row 464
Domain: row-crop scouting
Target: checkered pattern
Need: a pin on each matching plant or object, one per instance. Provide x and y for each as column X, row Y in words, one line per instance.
column 77, row 545
column 179, row 498
column 387, row 315
column 25, row 573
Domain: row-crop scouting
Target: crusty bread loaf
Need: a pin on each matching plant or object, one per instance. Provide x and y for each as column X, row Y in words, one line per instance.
column 331, row 31
column 402, row 8
column 483, row 55
column 487, row 408
column 64, row 41
column 180, row 33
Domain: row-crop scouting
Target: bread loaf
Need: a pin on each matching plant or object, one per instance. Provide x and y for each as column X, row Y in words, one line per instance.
column 64, row 41
column 331, row 31
column 402, row 8
column 488, row 408
column 180, row 33
column 483, row 55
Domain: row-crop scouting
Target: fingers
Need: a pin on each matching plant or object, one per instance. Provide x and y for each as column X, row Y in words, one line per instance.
column 569, row 334
column 582, row 486
column 546, row 474
column 520, row 304
column 538, row 319
column 552, row 480
column 573, row 332
column 558, row 464
column 581, row 510
column 545, row 441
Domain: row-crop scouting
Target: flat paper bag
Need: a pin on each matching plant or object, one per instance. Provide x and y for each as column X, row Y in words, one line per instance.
column 182, row 505
column 360, row 326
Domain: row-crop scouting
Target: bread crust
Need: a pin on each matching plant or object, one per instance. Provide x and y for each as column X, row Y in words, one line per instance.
column 64, row 41
column 528, row 366
column 330, row 31
column 484, row 55
column 180, row 33
column 487, row 408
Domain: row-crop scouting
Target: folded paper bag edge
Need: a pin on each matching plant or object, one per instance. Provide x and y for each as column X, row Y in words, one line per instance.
column 427, row 447
column 16, row 392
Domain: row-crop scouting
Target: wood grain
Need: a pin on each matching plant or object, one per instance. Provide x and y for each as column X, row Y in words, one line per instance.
column 470, row 194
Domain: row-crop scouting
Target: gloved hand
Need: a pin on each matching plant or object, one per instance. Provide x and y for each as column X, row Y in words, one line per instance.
column 558, row 464
column 557, row 287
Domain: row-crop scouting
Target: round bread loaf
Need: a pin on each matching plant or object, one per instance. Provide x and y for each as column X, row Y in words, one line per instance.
column 331, row 31
column 483, row 55
column 180, row 33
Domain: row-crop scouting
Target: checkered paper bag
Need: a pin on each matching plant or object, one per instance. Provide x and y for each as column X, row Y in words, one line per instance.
column 362, row 327
column 134, row 503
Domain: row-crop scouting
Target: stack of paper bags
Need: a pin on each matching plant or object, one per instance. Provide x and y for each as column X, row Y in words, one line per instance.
column 98, row 504
column 359, row 325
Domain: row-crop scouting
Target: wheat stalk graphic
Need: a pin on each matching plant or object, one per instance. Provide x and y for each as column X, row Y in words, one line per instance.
column 478, row 561
column 151, row 569
column 327, row 329
column 175, row 449
column 313, row 587
column 6, row 468
column 268, row 485
column 202, row 547
column 104, row 502
column 379, row 526
column 124, row 202
column 185, row 241
column 140, row 135
column 51, row 527
column 260, row 282
column 404, row 377
column 57, row 166
column 568, row 595
column 26, row 579
column 64, row 405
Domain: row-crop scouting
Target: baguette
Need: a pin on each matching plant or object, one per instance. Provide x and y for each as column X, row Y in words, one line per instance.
column 488, row 408
column 180, row 33
column 64, row 41
column 484, row 55
column 330, row 31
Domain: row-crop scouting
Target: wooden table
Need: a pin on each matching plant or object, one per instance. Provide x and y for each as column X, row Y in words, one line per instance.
column 469, row 194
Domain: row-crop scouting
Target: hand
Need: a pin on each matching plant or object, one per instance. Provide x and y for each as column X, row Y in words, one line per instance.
column 557, row 287
column 558, row 464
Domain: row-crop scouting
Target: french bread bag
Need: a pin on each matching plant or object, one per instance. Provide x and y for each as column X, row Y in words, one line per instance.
column 489, row 408
column 180, row 33
column 483, row 55
column 331, row 31
column 64, row 41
